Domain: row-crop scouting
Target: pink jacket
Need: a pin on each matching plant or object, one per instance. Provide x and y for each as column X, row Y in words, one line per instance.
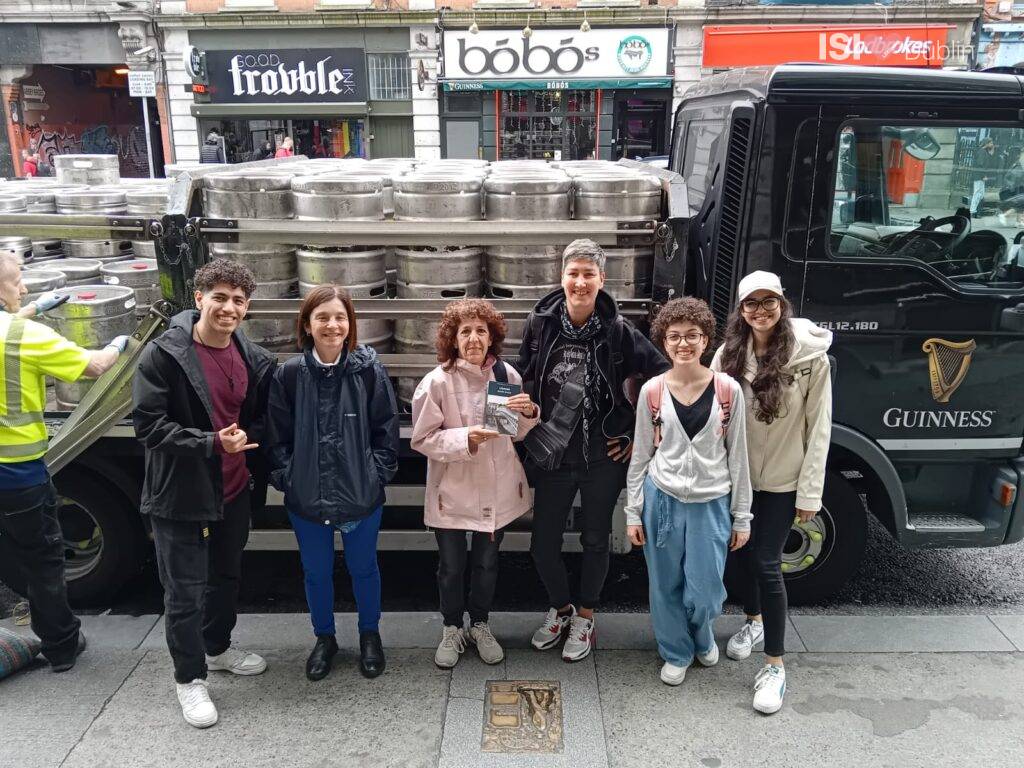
column 484, row 491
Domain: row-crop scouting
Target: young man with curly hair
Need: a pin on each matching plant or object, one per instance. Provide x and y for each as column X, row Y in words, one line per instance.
column 200, row 397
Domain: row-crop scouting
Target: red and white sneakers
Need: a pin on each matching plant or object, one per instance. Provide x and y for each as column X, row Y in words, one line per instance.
column 580, row 641
column 552, row 630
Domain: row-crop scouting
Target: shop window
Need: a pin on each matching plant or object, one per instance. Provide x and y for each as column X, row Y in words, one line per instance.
column 389, row 76
column 467, row 103
column 548, row 125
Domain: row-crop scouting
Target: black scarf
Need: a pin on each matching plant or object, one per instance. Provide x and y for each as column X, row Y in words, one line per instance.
column 586, row 335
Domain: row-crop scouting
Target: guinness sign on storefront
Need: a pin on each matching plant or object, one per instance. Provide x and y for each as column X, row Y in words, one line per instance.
column 288, row 75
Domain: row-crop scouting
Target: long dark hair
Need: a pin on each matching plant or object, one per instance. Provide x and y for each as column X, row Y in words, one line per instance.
column 771, row 376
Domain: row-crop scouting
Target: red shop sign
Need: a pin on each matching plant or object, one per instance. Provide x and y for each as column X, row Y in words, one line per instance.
column 895, row 45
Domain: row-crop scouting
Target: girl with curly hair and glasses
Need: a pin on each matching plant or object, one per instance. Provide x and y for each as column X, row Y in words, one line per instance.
column 475, row 481
column 688, row 487
column 783, row 365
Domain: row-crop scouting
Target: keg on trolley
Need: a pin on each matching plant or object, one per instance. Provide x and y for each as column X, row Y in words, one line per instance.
column 628, row 271
column 251, row 195
column 43, row 200
column 105, row 202
column 141, row 275
column 77, row 271
column 37, row 282
column 429, row 196
column 616, row 196
column 17, row 246
column 339, row 197
column 439, row 272
column 94, row 170
column 413, row 336
column 147, row 202
column 92, row 318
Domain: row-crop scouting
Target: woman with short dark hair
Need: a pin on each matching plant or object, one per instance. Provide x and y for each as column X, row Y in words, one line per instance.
column 475, row 482
column 336, row 426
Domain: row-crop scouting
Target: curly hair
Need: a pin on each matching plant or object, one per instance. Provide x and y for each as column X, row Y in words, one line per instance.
column 458, row 312
column 771, row 377
column 685, row 310
column 225, row 272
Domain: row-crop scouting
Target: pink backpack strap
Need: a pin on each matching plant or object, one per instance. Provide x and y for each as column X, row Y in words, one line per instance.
column 723, row 392
column 654, row 405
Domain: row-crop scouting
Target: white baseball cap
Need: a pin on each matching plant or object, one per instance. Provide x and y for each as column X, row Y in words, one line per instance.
column 758, row 281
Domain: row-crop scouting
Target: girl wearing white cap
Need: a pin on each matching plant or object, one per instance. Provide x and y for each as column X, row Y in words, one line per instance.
column 782, row 365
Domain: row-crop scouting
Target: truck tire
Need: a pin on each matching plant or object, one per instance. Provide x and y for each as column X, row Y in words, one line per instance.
column 103, row 540
column 821, row 556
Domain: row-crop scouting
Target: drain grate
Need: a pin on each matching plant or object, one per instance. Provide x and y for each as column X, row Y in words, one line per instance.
column 522, row 716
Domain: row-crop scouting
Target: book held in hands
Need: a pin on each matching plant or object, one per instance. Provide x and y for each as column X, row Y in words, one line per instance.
column 497, row 415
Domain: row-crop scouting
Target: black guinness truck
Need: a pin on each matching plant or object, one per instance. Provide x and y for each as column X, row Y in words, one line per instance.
column 891, row 202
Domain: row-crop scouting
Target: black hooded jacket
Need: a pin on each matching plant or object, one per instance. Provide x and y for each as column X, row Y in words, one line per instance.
column 173, row 420
column 622, row 352
column 336, row 433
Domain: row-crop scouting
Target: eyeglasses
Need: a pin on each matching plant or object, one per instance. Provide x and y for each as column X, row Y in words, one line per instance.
column 768, row 304
column 675, row 339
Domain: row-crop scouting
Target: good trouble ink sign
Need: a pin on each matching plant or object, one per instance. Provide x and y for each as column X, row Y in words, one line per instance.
column 294, row 76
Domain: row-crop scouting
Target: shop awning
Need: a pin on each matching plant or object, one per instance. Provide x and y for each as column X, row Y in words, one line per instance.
column 556, row 85
column 279, row 110
column 1000, row 45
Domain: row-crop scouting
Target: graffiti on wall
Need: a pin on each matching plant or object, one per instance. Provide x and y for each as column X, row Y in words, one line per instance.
column 128, row 142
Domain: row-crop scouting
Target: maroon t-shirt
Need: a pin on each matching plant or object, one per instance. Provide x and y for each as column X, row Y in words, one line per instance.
column 227, row 379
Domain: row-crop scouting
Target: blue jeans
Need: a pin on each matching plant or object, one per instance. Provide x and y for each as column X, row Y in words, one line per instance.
column 316, row 548
column 685, row 548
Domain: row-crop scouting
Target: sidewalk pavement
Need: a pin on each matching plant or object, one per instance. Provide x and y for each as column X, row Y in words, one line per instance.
column 863, row 691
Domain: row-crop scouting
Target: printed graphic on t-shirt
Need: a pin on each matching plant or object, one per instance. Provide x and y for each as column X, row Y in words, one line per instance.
column 571, row 356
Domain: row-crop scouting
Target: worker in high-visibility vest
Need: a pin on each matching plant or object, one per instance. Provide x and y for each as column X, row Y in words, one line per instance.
column 30, row 534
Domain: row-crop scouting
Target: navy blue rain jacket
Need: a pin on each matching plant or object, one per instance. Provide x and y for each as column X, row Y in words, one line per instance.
column 336, row 437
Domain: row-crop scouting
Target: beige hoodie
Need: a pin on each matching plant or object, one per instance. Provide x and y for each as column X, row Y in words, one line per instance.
column 789, row 454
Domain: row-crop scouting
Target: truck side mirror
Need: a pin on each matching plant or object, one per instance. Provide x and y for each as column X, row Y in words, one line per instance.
column 920, row 144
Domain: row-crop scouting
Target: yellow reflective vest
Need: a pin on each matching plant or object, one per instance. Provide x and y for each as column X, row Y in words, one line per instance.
column 31, row 351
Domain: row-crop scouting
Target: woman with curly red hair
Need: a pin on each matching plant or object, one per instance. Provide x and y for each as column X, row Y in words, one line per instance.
column 475, row 481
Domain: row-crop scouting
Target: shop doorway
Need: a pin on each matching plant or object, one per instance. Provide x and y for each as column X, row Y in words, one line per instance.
column 462, row 139
column 640, row 127
column 547, row 125
column 246, row 140
column 392, row 137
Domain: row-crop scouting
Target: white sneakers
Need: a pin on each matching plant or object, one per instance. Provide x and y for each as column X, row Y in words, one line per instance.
column 710, row 658
column 552, row 630
column 769, row 689
column 580, row 641
column 742, row 643
column 237, row 662
column 672, row 675
column 487, row 646
column 453, row 643
column 196, row 706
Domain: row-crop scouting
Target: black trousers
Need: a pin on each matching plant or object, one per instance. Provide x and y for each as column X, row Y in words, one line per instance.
column 599, row 486
column 31, row 539
column 200, row 564
column 760, row 561
column 451, row 574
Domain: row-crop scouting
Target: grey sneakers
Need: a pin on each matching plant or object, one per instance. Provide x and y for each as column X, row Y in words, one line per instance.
column 237, row 662
column 551, row 632
column 453, row 643
column 487, row 646
column 743, row 642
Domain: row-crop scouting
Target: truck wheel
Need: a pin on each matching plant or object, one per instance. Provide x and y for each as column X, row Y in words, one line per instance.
column 821, row 556
column 103, row 545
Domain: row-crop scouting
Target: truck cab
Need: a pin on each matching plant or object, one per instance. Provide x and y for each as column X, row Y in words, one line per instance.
column 891, row 204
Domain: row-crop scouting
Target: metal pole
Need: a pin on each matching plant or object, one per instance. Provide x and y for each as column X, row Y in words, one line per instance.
column 149, row 141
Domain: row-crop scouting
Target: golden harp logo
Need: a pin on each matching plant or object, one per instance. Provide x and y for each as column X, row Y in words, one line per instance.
column 948, row 362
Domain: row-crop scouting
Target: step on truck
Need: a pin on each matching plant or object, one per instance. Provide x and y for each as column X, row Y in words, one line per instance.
column 864, row 188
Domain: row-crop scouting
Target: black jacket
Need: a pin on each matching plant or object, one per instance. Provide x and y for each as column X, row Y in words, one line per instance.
column 336, row 433
column 622, row 353
column 173, row 420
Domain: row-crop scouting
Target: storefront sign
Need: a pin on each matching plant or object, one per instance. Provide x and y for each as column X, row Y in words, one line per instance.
column 292, row 76
column 141, row 84
column 897, row 45
column 501, row 58
column 33, row 92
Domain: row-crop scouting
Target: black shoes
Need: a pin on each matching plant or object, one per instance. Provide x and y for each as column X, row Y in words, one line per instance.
column 371, row 654
column 321, row 657
column 64, row 666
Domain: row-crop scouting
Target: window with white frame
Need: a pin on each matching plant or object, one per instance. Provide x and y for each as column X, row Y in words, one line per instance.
column 389, row 76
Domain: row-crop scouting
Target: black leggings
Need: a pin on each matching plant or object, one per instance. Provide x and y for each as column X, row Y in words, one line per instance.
column 760, row 561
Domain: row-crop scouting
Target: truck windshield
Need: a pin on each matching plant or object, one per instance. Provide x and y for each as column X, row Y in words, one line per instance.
column 949, row 196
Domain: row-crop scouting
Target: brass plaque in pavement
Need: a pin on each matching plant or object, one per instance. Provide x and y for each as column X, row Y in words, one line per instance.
column 522, row 716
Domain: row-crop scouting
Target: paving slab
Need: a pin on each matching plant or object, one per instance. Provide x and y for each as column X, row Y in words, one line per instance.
column 1012, row 627
column 276, row 719
column 105, row 630
column 471, row 675
column 584, row 743
column 43, row 714
column 875, row 710
column 896, row 634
